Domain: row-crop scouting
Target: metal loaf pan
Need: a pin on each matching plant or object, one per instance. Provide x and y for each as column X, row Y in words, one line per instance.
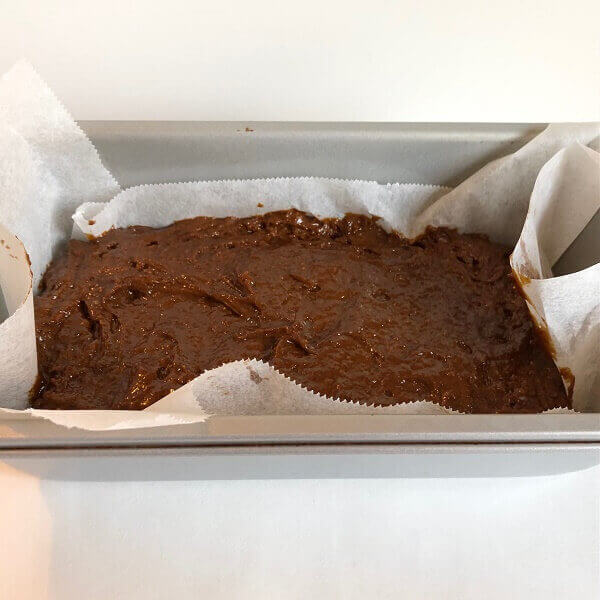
column 153, row 152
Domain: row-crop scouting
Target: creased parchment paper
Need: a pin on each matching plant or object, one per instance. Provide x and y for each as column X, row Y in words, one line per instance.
column 50, row 171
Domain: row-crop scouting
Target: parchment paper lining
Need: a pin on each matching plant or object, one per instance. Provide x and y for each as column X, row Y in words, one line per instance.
column 49, row 168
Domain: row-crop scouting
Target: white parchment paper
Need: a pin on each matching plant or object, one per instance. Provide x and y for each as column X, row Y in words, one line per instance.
column 539, row 199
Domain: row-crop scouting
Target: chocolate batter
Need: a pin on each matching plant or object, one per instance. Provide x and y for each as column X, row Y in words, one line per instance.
column 340, row 306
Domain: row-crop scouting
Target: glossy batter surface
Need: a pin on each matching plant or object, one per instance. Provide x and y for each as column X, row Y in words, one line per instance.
column 340, row 306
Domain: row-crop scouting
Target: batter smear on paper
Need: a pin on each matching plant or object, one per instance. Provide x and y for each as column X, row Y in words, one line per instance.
column 338, row 305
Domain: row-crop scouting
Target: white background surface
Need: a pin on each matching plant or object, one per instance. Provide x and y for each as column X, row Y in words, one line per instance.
column 443, row 538
column 381, row 60
column 516, row 60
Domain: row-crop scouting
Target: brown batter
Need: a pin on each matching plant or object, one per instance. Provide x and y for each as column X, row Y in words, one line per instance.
column 340, row 306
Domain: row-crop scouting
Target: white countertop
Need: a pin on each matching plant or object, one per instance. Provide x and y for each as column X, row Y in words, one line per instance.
column 108, row 527
column 383, row 60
